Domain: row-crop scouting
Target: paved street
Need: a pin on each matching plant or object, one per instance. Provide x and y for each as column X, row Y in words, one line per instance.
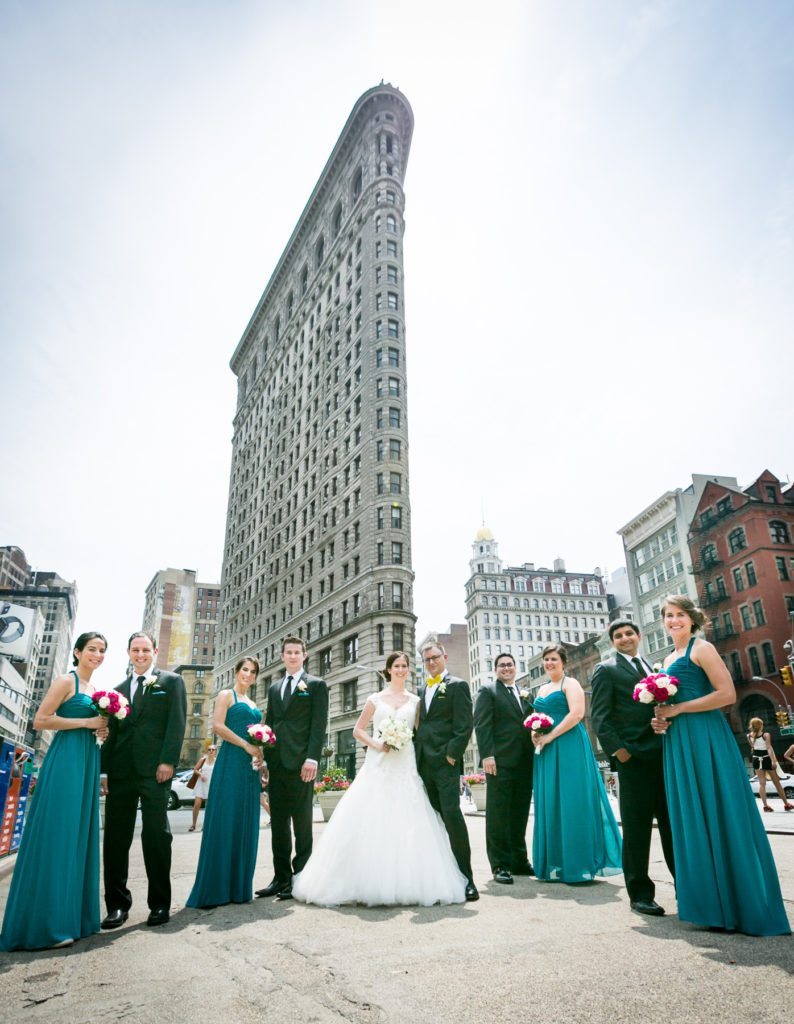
column 527, row 952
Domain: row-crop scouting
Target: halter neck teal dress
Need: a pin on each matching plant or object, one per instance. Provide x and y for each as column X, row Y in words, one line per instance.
column 54, row 893
column 725, row 873
column 230, row 837
column 575, row 836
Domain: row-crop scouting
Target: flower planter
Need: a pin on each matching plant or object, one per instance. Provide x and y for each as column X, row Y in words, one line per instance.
column 329, row 800
column 478, row 796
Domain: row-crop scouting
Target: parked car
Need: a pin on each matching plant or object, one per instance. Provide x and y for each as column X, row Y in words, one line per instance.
column 180, row 794
column 787, row 781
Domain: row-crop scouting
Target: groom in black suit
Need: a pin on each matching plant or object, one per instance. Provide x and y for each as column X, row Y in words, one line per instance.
column 297, row 712
column 139, row 758
column 445, row 725
column 623, row 727
column 507, row 754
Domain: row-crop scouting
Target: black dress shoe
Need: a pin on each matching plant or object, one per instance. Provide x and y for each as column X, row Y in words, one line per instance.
column 159, row 915
column 502, row 876
column 285, row 893
column 525, row 869
column 274, row 888
column 471, row 892
column 114, row 919
column 650, row 907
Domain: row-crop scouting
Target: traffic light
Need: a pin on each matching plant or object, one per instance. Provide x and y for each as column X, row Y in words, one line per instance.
column 782, row 718
column 786, row 676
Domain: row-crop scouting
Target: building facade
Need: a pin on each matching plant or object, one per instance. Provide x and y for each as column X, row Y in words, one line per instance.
column 56, row 600
column 520, row 609
column 14, row 569
column 742, row 550
column 199, row 688
column 657, row 558
column 182, row 614
column 318, row 539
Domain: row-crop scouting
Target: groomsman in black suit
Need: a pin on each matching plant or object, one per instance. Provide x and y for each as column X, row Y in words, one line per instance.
column 507, row 754
column 623, row 727
column 139, row 757
column 297, row 712
column 445, row 725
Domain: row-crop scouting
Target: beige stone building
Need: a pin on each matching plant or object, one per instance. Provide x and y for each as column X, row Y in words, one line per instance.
column 318, row 533
column 199, row 688
column 182, row 614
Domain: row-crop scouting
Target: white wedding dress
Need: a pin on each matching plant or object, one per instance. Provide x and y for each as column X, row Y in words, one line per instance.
column 384, row 844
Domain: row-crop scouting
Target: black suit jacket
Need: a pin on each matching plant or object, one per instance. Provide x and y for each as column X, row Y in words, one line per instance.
column 499, row 725
column 300, row 727
column 445, row 729
column 150, row 735
column 619, row 720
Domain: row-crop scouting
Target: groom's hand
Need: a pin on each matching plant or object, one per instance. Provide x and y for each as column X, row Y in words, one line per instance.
column 489, row 765
column 451, row 760
column 164, row 772
column 309, row 771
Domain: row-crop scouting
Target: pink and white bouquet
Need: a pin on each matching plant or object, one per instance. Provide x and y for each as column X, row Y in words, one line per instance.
column 657, row 688
column 261, row 735
column 109, row 703
column 539, row 724
column 395, row 733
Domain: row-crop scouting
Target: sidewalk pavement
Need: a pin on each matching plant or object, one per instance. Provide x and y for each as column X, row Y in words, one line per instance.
column 531, row 951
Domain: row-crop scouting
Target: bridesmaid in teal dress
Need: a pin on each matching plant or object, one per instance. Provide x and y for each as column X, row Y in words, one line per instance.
column 725, row 873
column 54, row 895
column 230, row 837
column 575, row 836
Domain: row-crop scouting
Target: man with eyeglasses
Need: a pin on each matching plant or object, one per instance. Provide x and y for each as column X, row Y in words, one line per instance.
column 445, row 726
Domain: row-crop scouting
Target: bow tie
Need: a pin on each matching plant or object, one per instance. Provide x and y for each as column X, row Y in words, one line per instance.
column 434, row 681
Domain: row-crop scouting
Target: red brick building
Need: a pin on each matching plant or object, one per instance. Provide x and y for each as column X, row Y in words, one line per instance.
column 742, row 547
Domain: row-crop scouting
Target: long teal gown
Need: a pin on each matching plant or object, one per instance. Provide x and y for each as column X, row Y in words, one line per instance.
column 725, row 873
column 54, row 893
column 230, row 837
column 575, row 835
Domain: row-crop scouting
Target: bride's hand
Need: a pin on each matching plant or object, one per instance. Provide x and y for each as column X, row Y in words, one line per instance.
column 384, row 748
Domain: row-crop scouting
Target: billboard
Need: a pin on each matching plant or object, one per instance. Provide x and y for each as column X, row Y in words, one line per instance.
column 16, row 630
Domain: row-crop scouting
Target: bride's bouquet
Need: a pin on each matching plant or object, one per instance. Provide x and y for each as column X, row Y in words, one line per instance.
column 395, row 733
column 109, row 703
column 539, row 724
column 657, row 688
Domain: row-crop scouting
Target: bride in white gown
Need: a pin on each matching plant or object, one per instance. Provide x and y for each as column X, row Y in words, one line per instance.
column 384, row 844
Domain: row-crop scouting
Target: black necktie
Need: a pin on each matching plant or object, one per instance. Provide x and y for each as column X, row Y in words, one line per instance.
column 287, row 692
column 136, row 700
column 638, row 665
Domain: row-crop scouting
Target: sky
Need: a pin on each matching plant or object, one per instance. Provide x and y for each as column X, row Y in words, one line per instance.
column 599, row 265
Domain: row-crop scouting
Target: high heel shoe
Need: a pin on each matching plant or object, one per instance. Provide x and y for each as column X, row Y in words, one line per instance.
column 788, row 807
column 767, row 808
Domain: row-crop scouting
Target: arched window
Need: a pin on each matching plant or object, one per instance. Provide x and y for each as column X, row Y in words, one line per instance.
column 319, row 251
column 391, row 223
column 304, row 280
column 737, row 540
column 708, row 555
column 336, row 220
column 199, row 687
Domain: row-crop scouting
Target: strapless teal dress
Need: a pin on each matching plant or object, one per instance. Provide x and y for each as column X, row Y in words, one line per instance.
column 54, row 893
column 230, row 837
column 725, row 873
column 575, row 836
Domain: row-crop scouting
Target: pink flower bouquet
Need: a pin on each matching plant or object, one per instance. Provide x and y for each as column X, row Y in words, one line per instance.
column 539, row 724
column 260, row 735
column 109, row 703
column 656, row 689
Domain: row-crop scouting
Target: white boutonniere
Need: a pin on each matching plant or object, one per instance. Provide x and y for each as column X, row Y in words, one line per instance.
column 442, row 689
column 301, row 686
column 524, row 694
column 657, row 667
column 150, row 682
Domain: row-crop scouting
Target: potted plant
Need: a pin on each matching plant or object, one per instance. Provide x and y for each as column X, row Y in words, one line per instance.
column 329, row 788
column 476, row 783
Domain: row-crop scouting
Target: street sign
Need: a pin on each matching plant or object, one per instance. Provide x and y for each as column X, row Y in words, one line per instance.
column 787, row 730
